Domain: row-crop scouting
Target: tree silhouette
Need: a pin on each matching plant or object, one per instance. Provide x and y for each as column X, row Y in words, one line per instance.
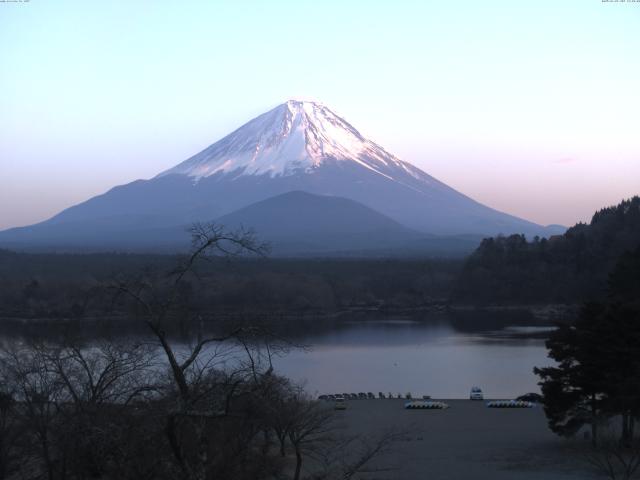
column 598, row 356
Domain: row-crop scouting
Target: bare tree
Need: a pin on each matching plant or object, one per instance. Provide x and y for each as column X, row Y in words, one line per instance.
column 207, row 409
column 311, row 428
column 103, row 373
column 614, row 458
column 316, row 434
column 202, row 381
column 10, row 433
column 160, row 305
column 70, row 399
column 349, row 456
column 40, row 395
column 280, row 415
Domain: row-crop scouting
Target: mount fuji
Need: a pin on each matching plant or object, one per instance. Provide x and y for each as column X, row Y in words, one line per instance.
column 298, row 146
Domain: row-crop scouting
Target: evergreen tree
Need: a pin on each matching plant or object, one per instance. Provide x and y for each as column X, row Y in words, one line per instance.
column 563, row 269
column 598, row 360
column 575, row 391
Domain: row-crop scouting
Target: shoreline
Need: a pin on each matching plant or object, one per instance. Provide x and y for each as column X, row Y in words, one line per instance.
column 539, row 311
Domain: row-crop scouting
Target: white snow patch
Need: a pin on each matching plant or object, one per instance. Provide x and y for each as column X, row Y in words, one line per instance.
column 295, row 136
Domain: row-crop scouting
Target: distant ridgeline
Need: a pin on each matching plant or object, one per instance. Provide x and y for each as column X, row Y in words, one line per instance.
column 564, row 268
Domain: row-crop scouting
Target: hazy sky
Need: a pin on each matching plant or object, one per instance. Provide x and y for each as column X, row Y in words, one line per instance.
column 531, row 107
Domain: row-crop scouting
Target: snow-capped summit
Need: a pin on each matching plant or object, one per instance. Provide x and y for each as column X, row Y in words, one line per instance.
column 294, row 137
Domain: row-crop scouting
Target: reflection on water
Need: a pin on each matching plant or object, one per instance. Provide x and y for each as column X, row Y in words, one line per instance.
column 422, row 358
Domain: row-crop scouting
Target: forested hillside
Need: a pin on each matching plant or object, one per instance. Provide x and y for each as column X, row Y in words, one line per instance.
column 562, row 269
column 70, row 285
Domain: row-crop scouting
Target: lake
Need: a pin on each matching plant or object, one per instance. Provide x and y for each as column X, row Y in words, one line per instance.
column 441, row 355
column 433, row 358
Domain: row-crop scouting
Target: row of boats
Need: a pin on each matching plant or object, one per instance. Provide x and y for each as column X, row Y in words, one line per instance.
column 525, row 401
column 366, row 396
column 429, row 405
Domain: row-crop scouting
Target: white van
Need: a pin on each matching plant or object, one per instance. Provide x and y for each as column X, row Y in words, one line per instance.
column 476, row 394
column 340, row 403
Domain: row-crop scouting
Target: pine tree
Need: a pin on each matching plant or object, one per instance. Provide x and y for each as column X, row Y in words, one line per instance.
column 598, row 360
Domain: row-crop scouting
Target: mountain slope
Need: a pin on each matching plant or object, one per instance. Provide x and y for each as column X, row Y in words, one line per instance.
column 297, row 146
column 294, row 224
column 300, row 221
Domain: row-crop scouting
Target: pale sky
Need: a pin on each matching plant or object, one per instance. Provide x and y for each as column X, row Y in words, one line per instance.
column 531, row 107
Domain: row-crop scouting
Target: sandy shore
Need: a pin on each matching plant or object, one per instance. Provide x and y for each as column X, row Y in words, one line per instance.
column 467, row 441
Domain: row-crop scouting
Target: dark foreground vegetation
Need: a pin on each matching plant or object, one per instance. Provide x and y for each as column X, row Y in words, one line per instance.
column 114, row 411
column 212, row 408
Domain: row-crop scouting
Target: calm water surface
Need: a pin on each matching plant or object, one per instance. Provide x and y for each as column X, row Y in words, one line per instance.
column 441, row 356
column 402, row 356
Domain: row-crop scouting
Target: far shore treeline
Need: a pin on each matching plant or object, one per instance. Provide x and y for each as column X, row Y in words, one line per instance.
column 511, row 270
column 565, row 268
column 70, row 286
